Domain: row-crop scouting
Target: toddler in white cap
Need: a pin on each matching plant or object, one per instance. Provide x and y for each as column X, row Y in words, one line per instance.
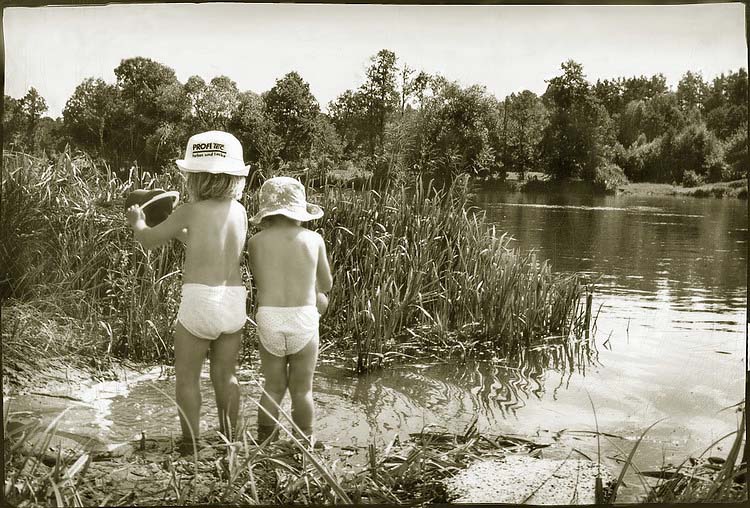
column 290, row 267
column 212, row 310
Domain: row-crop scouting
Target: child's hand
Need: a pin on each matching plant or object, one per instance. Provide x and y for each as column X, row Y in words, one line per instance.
column 321, row 302
column 134, row 214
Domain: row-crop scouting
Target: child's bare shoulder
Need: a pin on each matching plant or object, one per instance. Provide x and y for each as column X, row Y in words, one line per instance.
column 312, row 237
column 238, row 211
column 184, row 212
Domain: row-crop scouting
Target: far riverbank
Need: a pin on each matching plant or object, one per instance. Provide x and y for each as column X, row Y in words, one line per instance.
column 539, row 183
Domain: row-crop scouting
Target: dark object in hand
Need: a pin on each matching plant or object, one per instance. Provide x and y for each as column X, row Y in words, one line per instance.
column 157, row 204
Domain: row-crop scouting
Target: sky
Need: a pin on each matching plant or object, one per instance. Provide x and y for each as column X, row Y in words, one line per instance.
column 506, row 48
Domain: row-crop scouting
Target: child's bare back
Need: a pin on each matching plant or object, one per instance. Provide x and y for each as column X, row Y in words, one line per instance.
column 288, row 262
column 216, row 232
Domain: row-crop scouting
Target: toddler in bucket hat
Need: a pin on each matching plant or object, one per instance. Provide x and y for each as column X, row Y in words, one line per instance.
column 283, row 195
column 292, row 274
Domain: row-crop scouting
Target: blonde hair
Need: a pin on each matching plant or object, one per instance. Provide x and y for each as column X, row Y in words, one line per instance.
column 215, row 186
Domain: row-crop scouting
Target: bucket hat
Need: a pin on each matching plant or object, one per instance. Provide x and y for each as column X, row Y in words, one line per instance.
column 157, row 204
column 283, row 195
column 213, row 152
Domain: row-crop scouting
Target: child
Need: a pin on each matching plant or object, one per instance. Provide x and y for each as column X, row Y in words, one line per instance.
column 290, row 269
column 212, row 311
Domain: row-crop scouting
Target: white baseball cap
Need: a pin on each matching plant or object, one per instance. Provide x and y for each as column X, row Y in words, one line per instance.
column 213, row 152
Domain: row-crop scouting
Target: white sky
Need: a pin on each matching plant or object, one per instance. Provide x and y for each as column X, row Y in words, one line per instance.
column 506, row 48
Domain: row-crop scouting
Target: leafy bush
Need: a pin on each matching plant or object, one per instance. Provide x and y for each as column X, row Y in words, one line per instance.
column 695, row 149
column 643, row 162
column 692, row 179
column 736, row 155
column 608, row 177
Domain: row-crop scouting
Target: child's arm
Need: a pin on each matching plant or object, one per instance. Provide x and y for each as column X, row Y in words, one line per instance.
column 151, row 237
column 324, row 279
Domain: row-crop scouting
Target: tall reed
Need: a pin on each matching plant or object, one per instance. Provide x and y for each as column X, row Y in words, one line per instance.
column 65, row 243
column 421, row 265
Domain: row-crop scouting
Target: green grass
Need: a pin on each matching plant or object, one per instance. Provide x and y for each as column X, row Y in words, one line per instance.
column 68, row 252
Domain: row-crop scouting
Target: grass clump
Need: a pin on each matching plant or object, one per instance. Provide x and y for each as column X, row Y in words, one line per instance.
column 733, row 189
column 419, row 269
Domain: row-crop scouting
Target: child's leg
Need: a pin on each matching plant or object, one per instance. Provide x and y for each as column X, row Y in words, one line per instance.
column 274, row 370
column 301, row 370
column 189, row 352
column 224, row 352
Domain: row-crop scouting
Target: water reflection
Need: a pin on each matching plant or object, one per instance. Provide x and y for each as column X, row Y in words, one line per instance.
column 453, row 392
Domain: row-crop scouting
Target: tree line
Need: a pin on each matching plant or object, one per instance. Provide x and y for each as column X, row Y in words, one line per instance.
column 400, row 122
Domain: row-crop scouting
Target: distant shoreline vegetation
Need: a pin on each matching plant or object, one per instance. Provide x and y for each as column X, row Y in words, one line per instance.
column 540, row 183
column 401, row 123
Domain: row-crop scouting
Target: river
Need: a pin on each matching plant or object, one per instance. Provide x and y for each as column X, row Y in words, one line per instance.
column 670, row 284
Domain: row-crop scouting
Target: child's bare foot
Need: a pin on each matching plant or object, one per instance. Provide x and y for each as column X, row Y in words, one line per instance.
column 186, row 447
column 310, row 439
column 267, row 433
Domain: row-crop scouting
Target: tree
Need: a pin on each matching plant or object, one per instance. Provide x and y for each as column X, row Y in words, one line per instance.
column 361, row 116
column 254, row 129
column 610, row 94
column 12, row 123
column 725, row 104
column 696, row 149
column 32, row 107
column 524, row 120
column 153, row 110
column 348, row 114
column 641, row 87
column 326, row 148
column 381, row 95
column 691, row 91
column 651, row 117
column 213, row 104
column 50, row 135
column 577, row 138
column 456, row 131
column 89, row 114
column 412, row 87
column 662, row 113
column 293, row 110
column 736, row 155
column 631, row 122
